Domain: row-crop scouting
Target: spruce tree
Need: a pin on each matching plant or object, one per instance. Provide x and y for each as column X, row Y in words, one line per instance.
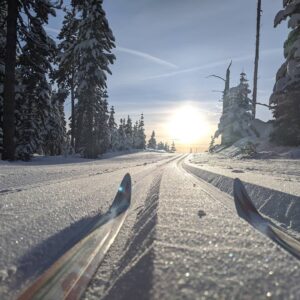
column 235, row 122
column 101, row 123
column 34, row 105
column 152, row 141
column 65, row 73
column 23, row 23
column 173, row 148
column 113, row 131
column 141, row 137
column 286, row 94
column 129, row 133
column 92, row 53
column 55, row 139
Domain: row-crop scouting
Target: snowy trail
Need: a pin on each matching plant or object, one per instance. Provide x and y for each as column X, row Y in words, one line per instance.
column 48, row 216
column 192, row 245
column 182, row 238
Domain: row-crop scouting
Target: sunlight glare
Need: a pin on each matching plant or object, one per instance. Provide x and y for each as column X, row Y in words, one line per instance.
column 187, row 125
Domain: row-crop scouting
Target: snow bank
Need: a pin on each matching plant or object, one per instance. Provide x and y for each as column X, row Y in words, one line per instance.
column 276, row 197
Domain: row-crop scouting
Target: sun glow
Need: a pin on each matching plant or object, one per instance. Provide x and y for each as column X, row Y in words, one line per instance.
column 188, row 125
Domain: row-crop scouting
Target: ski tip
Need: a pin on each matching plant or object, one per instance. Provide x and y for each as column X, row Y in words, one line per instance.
column 243, row 202
column 123, row 197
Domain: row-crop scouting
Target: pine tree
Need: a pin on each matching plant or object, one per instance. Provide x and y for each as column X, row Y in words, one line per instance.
column 122, row 135
column 135, row 135
column 160, row 146
column 167, row 147
column 34, row 106
column 173, row 148
column 129, row 133
column 141, row 137
column 152, row 141
column 102, row 129
column 286, row 94
column 113, row 131
column 24, row 22
column 55, row 138
column 92, row 53
column 65, row 73
column 235, row 122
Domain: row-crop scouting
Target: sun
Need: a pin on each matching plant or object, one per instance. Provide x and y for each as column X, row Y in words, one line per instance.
column 187, row 125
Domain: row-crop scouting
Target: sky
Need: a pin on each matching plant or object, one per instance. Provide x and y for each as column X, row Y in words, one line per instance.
column 165, row 50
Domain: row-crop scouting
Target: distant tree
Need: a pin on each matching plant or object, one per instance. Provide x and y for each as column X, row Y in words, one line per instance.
column 286, row 94
column 65, row 73
column 113, row 131
column 141, row 137
column 167, row 147
column 122, row 135
column 56, row 139
column 152, row 141
column 160, row 146
column 211, row 145
column 235, row 122
column 102, row 130
column 135, row 135
column 129, row 133
column 173, row 148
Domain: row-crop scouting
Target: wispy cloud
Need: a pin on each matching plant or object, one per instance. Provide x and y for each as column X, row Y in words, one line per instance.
column 147, row 56
column 215, row 64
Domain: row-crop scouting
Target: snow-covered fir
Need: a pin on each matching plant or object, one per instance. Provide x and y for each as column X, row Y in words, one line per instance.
column 235, row 121
column 286, row 95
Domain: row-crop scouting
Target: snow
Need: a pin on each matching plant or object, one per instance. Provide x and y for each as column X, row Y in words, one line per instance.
column 178, row 241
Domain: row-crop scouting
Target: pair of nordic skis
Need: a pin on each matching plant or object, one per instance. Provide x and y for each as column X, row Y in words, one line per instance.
column 69, row 276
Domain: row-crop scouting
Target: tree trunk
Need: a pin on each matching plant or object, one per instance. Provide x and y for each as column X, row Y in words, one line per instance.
column 72, row 113
column 9, row 82
column 254, row 98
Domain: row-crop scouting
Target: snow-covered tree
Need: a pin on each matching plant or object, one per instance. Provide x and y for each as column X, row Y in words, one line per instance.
column 286, row 94
column 173, row 148
column 167, row 147
column 152, row 141
column 33, row 106
column 122, row 135
column 235, row 122
column 160, row 146
column 102, row 129
column 140, row 141
column 55, row 139
column 24, row 23
column 92, row 53
column 129, row 133
column 65, row 73
column 113, row 130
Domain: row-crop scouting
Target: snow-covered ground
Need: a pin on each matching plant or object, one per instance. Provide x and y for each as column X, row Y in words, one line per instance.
column 178, row 241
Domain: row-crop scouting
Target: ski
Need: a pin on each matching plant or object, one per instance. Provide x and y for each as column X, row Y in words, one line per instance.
column 69, row 276
column 247, row 211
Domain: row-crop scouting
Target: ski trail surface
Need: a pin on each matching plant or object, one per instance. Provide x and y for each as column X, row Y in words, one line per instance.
column 182, row 238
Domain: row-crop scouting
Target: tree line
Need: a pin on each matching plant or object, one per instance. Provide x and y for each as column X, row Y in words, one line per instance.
column 37, row 75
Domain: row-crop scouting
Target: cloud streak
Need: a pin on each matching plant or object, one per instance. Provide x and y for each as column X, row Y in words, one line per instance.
column 147, row 56
column 215, row 64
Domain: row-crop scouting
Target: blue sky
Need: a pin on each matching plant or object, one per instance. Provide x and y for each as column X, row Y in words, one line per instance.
column 167, row 48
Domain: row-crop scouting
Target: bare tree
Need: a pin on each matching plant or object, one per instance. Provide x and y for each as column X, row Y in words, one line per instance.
column 254, row 97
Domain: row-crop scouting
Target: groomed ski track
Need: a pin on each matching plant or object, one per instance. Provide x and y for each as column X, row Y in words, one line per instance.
column 182, row 238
